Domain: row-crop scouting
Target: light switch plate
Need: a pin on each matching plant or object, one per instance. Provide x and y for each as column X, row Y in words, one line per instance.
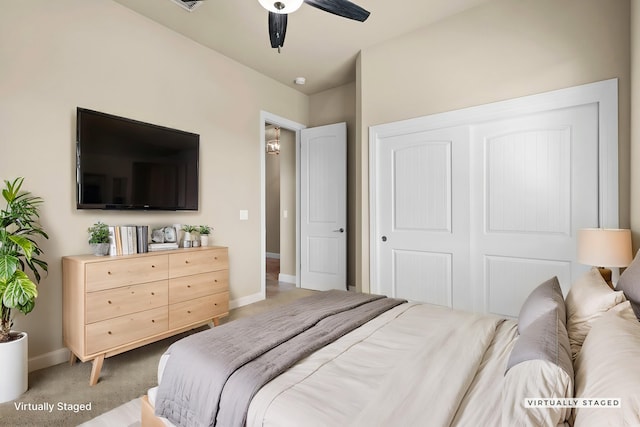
column 244, row 215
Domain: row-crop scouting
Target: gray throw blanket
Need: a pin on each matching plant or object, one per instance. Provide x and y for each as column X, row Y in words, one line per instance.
column 212, row 376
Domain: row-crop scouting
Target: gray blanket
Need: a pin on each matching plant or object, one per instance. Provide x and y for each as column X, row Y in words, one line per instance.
column 211, row 376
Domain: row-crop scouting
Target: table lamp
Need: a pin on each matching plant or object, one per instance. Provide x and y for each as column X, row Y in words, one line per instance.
column 605, row 248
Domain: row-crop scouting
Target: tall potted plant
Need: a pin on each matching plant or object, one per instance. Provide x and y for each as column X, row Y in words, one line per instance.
column 19, row 253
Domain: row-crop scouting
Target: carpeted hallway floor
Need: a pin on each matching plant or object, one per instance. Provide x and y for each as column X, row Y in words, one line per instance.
column 64, row 388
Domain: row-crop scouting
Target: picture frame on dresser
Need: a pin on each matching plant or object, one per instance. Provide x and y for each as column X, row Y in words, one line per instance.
column 115, row 304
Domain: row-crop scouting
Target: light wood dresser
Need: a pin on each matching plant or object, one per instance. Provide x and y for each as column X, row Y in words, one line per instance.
column 113, row 304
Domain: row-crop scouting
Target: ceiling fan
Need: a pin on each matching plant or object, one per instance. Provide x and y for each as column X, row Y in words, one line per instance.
column 279, row 9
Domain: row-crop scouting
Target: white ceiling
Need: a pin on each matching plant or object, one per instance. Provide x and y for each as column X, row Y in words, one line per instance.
column 318, row 46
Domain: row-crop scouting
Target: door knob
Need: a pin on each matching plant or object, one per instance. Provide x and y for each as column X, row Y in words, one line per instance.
column 384, row 238
column 339, row 230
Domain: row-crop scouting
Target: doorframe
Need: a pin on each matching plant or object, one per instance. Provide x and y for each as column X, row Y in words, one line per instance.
column 273, row 119
column 604, row 93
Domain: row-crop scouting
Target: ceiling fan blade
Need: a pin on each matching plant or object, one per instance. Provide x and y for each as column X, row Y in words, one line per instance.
column 277, row 29
column 343, row 8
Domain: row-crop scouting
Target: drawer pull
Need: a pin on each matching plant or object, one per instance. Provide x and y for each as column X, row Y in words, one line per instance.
column 109, row 332
column 215, row 257
column 186, row 261
column 153, row 266
column 153, row 293
column 109, row 301
column 189, row 311
column 153, row 321
column 215, row 280
column 109, row 273
column 188, row 286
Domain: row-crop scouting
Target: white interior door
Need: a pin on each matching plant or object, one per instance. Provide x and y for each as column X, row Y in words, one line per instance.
column 535, row 183
column 422, row 210
column 323, row 207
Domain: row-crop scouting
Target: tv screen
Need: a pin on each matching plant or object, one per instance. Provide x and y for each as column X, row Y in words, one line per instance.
column 128, row 164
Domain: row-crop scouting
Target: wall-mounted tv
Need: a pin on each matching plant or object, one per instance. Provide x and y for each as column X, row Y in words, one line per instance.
column 127, row 164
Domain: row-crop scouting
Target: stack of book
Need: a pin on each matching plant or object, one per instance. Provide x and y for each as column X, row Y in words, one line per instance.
column 162, row 246
column 128, row 239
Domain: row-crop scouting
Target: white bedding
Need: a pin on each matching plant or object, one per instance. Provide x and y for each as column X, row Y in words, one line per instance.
column 417, row 364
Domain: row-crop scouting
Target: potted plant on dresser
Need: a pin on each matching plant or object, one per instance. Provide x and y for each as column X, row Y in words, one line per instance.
column 99, row 238
column 19, row 252
column 205, row 231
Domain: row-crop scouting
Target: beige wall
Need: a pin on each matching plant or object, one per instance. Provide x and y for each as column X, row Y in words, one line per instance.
column 499, row 50
column 635, row 122
column 334, row 106
column 288, row 202
column 272, row 196
column 56, row 55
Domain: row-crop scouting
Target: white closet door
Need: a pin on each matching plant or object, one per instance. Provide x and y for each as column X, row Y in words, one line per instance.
column 480, row 205
column 534, row 183
column 422, row 211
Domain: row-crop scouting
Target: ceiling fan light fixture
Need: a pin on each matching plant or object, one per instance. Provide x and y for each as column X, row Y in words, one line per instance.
column 281, row 6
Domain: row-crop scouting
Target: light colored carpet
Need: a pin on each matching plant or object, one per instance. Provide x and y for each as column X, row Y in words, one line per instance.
column 124, row 378
column 127, row 415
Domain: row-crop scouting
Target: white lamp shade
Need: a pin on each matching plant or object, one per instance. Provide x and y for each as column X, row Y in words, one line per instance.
column 604, row 247
column 281, row 6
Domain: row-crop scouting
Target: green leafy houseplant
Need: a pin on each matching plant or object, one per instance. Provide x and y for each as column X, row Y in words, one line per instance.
column 189, row 228
column 204, row 229
column 99, row 238
column 98, row 233
column 19, row 251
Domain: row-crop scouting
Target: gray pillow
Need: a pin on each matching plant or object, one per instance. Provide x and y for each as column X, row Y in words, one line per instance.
column 542, row 300
column 629, row 283
column 545, row 338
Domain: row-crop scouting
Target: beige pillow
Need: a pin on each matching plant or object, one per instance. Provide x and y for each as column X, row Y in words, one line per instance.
column 607, row 367
column 535, row 379
column 588, row 299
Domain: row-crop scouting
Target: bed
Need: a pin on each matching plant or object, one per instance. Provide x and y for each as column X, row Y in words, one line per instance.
column 562, row 362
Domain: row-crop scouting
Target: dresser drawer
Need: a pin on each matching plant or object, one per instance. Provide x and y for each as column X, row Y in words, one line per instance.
column 198, row 285
column 117, row 302
column 126, row 271
column 197, row 261
column 198, row 310
column 108, row 334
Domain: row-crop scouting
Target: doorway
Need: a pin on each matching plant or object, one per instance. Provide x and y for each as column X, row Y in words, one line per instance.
column 280, row 209
column 283, row 267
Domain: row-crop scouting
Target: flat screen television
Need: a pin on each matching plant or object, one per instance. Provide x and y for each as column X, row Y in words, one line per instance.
column 127, row 164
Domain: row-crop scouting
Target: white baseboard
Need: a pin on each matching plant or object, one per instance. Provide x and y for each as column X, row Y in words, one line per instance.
column 46, row 360
column 273, row 255
column 249, row 299
column 287, row 278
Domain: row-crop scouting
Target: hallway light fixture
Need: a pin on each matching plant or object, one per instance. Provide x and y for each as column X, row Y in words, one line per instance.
column 273, row 145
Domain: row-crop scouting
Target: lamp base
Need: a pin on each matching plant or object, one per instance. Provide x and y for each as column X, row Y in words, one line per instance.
column 606, row 275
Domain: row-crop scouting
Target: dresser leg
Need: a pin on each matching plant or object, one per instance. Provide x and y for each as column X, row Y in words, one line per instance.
column 216, row 321
column 72, row 358
column 95, row 370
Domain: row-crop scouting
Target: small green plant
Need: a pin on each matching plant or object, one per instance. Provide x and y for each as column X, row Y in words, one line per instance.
column 19, row 250
column 204, row 229
column 189, row 228
column 98, row 233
